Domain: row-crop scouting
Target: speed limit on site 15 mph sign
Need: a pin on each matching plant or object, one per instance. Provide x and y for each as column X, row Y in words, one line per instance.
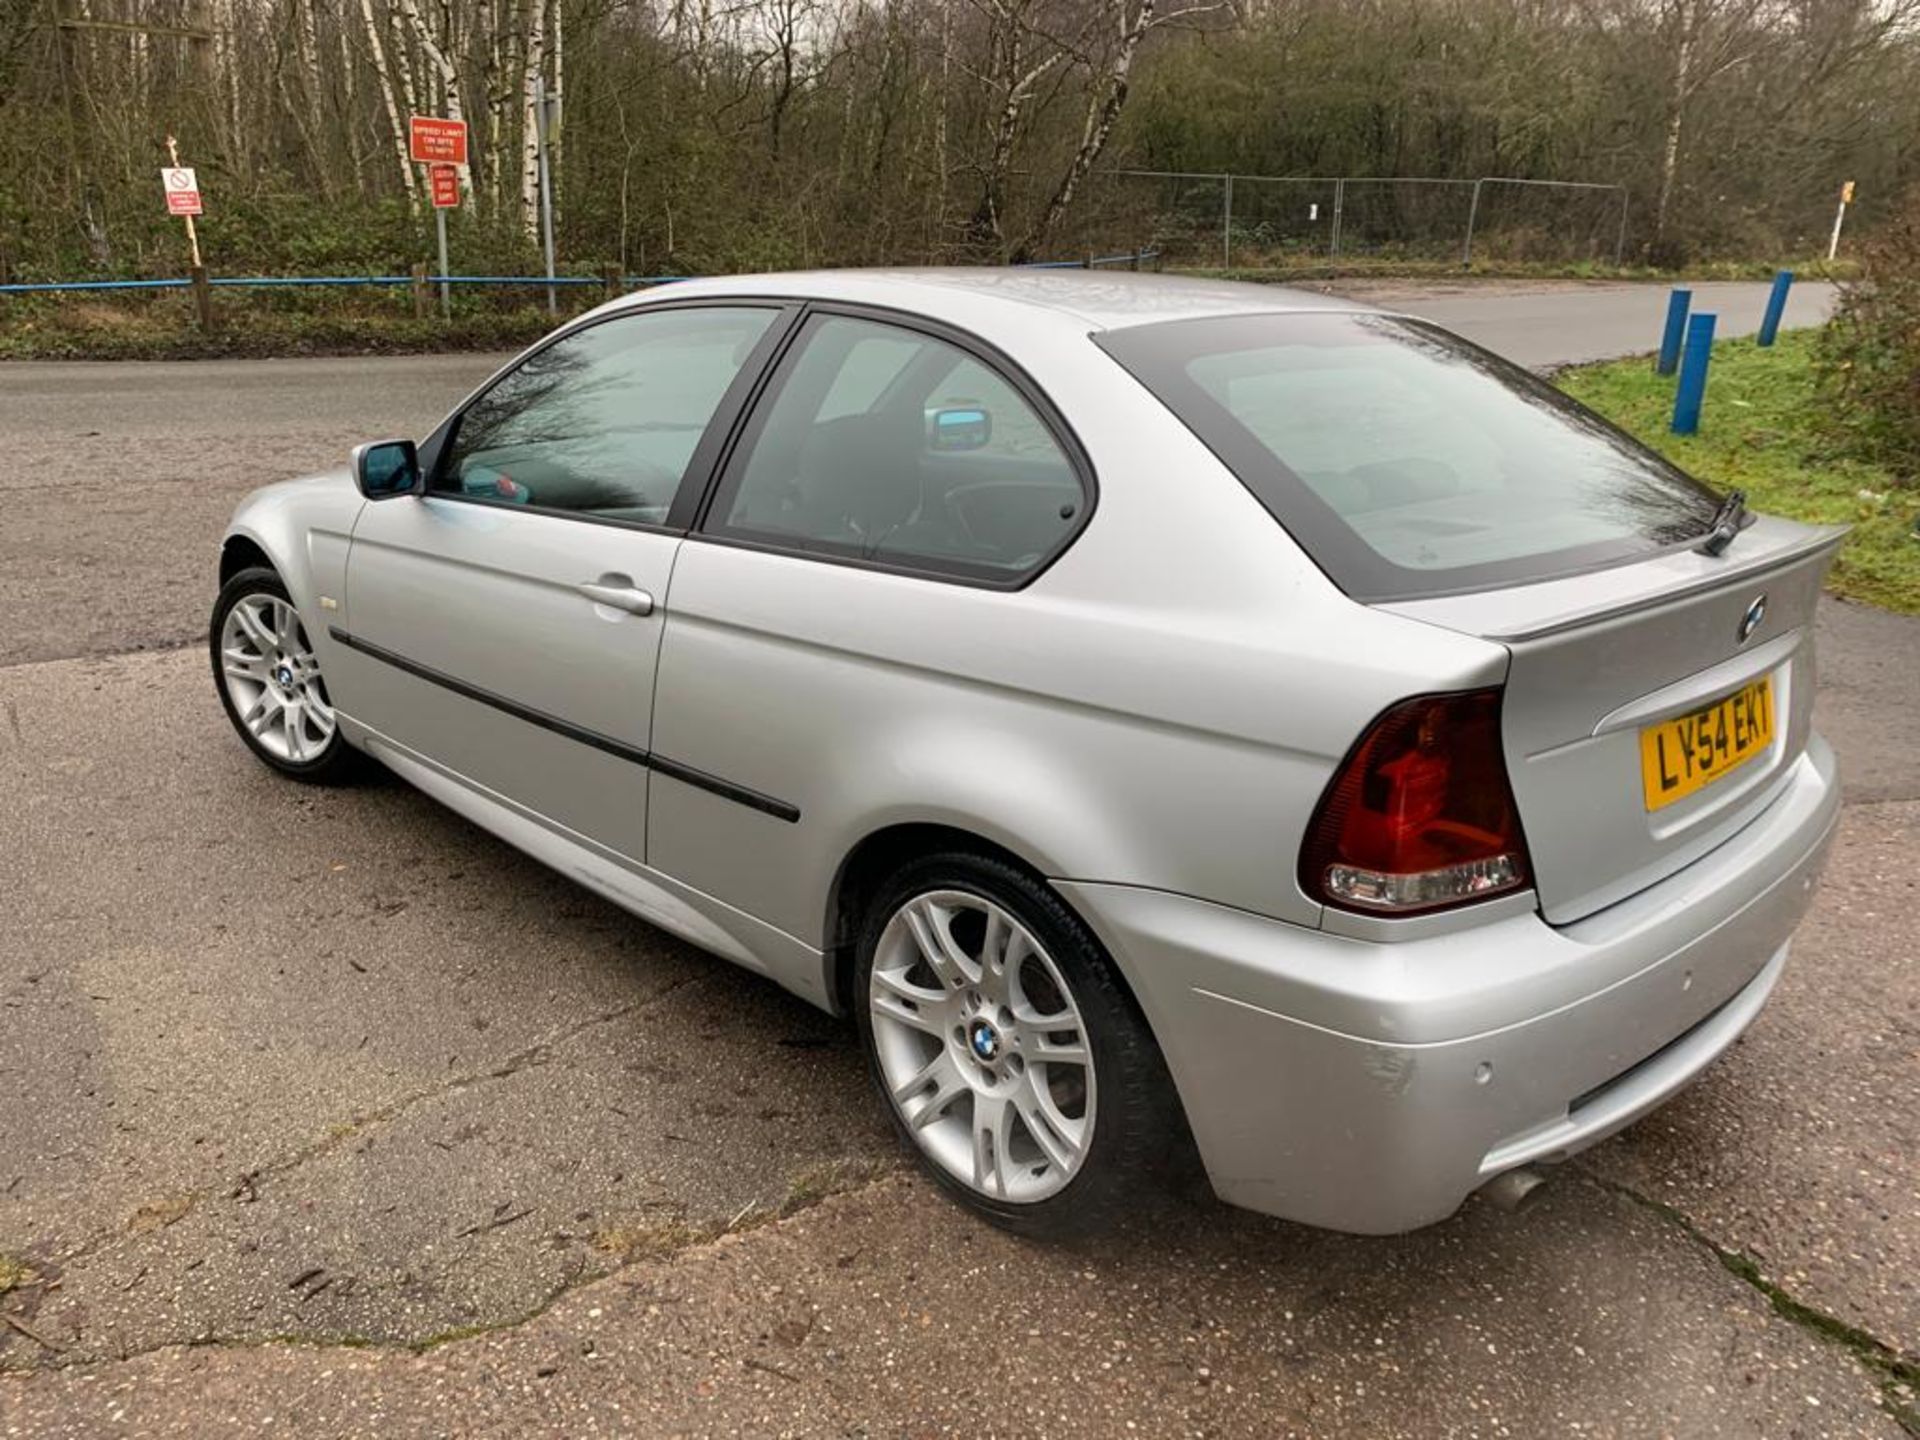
column 183, row 191
column 431, row 140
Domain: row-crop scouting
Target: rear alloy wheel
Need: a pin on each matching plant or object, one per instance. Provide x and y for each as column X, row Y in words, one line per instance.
column 1010, row 1056
column 270, row 680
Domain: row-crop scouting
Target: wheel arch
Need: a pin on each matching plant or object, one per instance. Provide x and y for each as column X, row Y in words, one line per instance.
column 239, row 552
column 878, row 854
column 885, row 850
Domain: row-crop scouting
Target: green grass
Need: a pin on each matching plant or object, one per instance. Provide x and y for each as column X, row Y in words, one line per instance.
column 1761, row 430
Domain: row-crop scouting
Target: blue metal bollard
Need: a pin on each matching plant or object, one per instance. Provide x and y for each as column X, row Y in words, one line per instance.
column 1776, row 306
column 1677, row 303
column 1693, row 375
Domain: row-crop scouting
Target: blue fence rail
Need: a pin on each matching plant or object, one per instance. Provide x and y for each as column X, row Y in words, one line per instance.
column 631, row 282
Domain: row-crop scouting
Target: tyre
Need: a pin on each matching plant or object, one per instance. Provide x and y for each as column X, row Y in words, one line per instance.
column 1009, row 1054
column 270, row 682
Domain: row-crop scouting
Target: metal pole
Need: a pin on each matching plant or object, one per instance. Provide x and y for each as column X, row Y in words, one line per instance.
column 446, row 293
column 1226, row 228
column 1693, row 375
column 1776, row 307
column 1670, row 338
column 1473, row 213
column 1620, row 240
column 541, row 129
column 1339, row 204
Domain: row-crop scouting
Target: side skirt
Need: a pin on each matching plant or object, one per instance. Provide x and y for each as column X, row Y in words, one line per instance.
column 691, row 914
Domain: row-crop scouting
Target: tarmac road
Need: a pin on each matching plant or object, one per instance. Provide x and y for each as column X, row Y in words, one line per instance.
column 1550, row 324
column 333, row 1068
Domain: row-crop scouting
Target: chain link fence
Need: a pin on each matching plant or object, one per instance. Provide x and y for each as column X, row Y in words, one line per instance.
column 1258, row 221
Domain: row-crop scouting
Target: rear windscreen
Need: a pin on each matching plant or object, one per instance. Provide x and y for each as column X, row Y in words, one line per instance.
column 1406, row 461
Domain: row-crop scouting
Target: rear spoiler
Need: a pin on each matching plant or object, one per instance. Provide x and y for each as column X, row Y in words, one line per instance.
column 1531, row 612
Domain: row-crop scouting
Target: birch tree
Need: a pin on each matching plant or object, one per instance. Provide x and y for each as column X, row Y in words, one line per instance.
column 531, row 72
column 396, row 118
column 440, row 59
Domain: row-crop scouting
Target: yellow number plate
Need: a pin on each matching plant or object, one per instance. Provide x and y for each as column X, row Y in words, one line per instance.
column 1690, row 752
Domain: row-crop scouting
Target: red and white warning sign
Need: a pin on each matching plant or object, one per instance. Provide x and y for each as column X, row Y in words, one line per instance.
column 183, row 191
column 443, row 184
column 432, row 141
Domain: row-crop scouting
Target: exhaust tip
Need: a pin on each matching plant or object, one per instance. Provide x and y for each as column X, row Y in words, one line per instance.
column 1510, row 1189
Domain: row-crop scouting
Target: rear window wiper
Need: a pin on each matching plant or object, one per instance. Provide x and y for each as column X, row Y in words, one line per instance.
column 1727, row 521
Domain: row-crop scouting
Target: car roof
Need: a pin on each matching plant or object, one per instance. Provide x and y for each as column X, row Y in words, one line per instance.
column 1086, row 299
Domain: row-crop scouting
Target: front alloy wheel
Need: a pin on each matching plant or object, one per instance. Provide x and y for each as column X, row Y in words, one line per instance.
column 1010, row 1055
column 270, row 681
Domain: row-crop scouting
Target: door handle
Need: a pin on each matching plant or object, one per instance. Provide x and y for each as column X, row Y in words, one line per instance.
column 629, row 598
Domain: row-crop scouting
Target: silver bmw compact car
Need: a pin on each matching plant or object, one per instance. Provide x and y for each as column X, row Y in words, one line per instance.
column 1166, row 715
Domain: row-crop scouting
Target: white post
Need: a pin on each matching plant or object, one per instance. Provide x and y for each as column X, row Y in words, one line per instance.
column 1473, row 214
column 1833, row 244
column 1226, row 226
column 543, row 127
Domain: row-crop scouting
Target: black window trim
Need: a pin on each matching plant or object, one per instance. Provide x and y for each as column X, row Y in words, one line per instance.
column 697, row 479
column 750, row 421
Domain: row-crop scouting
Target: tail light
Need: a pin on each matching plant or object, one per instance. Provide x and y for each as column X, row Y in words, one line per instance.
column 1420, row 815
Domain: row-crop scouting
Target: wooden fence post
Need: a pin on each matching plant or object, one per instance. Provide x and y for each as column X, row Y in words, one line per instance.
column 422, row 296
column 614, row 280
column 202, row 297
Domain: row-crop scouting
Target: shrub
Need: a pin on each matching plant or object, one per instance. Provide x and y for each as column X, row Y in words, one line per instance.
column 1869, row 357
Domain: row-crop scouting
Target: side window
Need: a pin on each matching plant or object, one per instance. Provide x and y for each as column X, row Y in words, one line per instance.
column 880, row 443
column 605, row 421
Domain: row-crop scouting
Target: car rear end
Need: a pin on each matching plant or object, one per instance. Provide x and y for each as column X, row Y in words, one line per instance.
column 1548, row 904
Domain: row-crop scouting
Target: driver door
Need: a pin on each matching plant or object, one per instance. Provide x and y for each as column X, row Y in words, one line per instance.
column 504, row 626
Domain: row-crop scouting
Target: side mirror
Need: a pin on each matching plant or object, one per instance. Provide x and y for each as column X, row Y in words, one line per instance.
column 386, row 468
column 964, row 427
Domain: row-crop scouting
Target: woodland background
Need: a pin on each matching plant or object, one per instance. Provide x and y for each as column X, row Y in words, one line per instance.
column 711, row 135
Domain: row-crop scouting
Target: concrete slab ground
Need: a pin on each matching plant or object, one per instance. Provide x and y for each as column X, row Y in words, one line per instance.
column 879, row 1313
column 326, row 1114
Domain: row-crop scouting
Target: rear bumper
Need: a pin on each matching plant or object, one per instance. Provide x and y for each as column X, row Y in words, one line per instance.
column 1371, row 1087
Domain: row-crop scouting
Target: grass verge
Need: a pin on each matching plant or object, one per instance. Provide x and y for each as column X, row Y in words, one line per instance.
column 251, row 324
column 1760, row 430
column 257, row 325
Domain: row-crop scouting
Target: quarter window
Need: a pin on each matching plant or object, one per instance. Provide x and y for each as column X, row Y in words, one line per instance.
column 1407, row 462
column 888, row 445
column 604, row 421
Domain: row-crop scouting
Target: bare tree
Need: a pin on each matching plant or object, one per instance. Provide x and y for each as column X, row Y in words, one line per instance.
column 714, row 134
column 1129, row 22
